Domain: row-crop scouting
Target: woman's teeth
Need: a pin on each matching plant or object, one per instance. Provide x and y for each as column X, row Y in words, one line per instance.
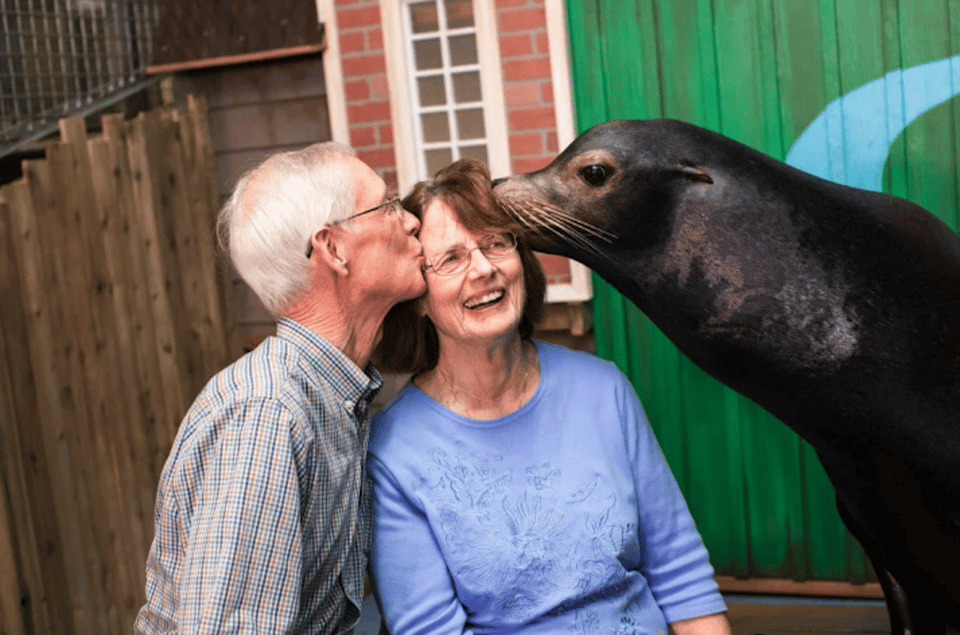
column 493, row 296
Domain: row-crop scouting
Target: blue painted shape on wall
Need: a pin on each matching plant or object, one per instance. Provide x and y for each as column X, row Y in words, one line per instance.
column 849, row 141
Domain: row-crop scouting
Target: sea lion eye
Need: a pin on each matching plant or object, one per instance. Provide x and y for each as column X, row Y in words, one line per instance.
column 595, row 174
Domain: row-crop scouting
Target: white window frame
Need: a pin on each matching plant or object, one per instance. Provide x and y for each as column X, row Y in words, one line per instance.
column 402, row 83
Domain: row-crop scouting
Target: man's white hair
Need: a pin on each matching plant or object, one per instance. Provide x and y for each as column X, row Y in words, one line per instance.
column 273, row 211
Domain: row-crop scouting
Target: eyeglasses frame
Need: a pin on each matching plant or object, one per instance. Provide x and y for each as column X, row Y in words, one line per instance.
column 393, row 201
column 431, row 267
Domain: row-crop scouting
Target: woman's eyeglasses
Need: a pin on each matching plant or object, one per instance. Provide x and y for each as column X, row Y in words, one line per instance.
column 492, row 246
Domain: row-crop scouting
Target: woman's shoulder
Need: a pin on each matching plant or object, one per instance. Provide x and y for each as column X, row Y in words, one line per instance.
column 575, row 364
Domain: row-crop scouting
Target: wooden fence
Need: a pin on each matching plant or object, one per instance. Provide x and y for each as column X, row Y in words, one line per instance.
column 114, row 311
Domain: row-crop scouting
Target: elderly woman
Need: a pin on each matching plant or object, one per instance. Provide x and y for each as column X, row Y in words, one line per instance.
column 518, row 485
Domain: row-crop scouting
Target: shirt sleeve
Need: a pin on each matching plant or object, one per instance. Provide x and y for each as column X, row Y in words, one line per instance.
column 673, row 557
column 242, row 568
column 414, row 590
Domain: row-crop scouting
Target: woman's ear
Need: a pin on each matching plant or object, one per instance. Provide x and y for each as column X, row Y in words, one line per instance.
column 330, row 245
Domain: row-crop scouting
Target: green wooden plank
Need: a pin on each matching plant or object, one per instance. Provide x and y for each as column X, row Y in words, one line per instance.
column 952, row 178
column 800, row 66
column 924, row 37
column 586, row 64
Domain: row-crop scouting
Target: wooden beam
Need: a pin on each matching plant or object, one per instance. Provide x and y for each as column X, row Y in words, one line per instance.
column 820, row 588
column 235, row 60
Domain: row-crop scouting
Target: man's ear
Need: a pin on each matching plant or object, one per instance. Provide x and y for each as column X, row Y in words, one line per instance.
column 330, row 246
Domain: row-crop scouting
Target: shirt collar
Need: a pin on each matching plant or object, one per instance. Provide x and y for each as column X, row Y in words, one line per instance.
column 327, row 361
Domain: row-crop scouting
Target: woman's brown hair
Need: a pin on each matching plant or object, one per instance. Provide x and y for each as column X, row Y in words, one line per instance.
column 410, row 343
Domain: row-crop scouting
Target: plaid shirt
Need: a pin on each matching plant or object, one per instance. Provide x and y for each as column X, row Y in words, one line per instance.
column 260, row 527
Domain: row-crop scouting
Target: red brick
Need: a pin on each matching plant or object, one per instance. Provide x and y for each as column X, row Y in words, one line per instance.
column 386, row 133
column 516, row 45
column 543, row 42
column 531, row 119
column 361, row 16
column 356, row 90
column 502, row 4
column 526, row 144
column 375, row 38
column 521, row 166
column 353, row 42
column 546, row 92
column 363, row 136
column 552, row 142
column 381, row 157
column 379, row 87
column 513, row 20
column 524, row 94
column 369, row 112
column 363, row 65
column 532, row 68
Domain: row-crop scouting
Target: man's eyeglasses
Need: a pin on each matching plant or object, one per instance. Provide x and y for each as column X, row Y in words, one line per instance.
column 492, row 246
column 391, row 207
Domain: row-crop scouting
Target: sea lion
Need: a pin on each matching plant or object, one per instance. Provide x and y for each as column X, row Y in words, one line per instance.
column 835, row 309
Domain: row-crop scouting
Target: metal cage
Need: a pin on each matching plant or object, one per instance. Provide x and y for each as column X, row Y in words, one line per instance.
column 63, row 58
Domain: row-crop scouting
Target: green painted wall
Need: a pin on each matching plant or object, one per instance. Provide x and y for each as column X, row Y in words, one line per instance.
column 759, row 71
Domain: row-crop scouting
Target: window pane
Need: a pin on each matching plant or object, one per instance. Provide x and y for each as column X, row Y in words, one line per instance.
column 436, row 127
column 466, row 87
column 439, row 158
column 459, row 13
column 427, row 53
column 474, row 152
column 470, row 124
column 432, row 91
column 463, row 49
column 423, row 17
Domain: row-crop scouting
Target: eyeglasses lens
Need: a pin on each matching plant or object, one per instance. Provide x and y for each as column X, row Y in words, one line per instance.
column 492, row 246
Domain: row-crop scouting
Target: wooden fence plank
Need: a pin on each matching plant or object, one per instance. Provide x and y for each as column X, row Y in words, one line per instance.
column 199, row 219
column 50, row 362
column 11, row 616
column 133, row 432
column 115, row 189
column 161, row 307
column 205, row 166
column 80, row 291
column 22, row 597
column 22, row 454
column 178, row 211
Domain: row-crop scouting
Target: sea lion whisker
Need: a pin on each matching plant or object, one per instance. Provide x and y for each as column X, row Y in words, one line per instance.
column 572, row 234
column 548, row 210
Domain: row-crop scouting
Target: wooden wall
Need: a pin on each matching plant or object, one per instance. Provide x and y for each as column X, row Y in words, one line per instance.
column 256, row 110
column 114, row 314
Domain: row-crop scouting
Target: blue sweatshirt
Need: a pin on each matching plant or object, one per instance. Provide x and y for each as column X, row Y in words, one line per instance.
column 561, row 517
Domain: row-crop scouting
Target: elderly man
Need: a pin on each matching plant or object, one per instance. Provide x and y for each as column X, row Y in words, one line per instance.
column 262, row 518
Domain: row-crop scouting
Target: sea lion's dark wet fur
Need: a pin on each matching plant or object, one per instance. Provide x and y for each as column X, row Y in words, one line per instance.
column 835, row 309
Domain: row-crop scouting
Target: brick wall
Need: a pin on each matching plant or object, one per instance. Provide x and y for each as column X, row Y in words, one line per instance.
column 527, row 85
column 365, row 85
